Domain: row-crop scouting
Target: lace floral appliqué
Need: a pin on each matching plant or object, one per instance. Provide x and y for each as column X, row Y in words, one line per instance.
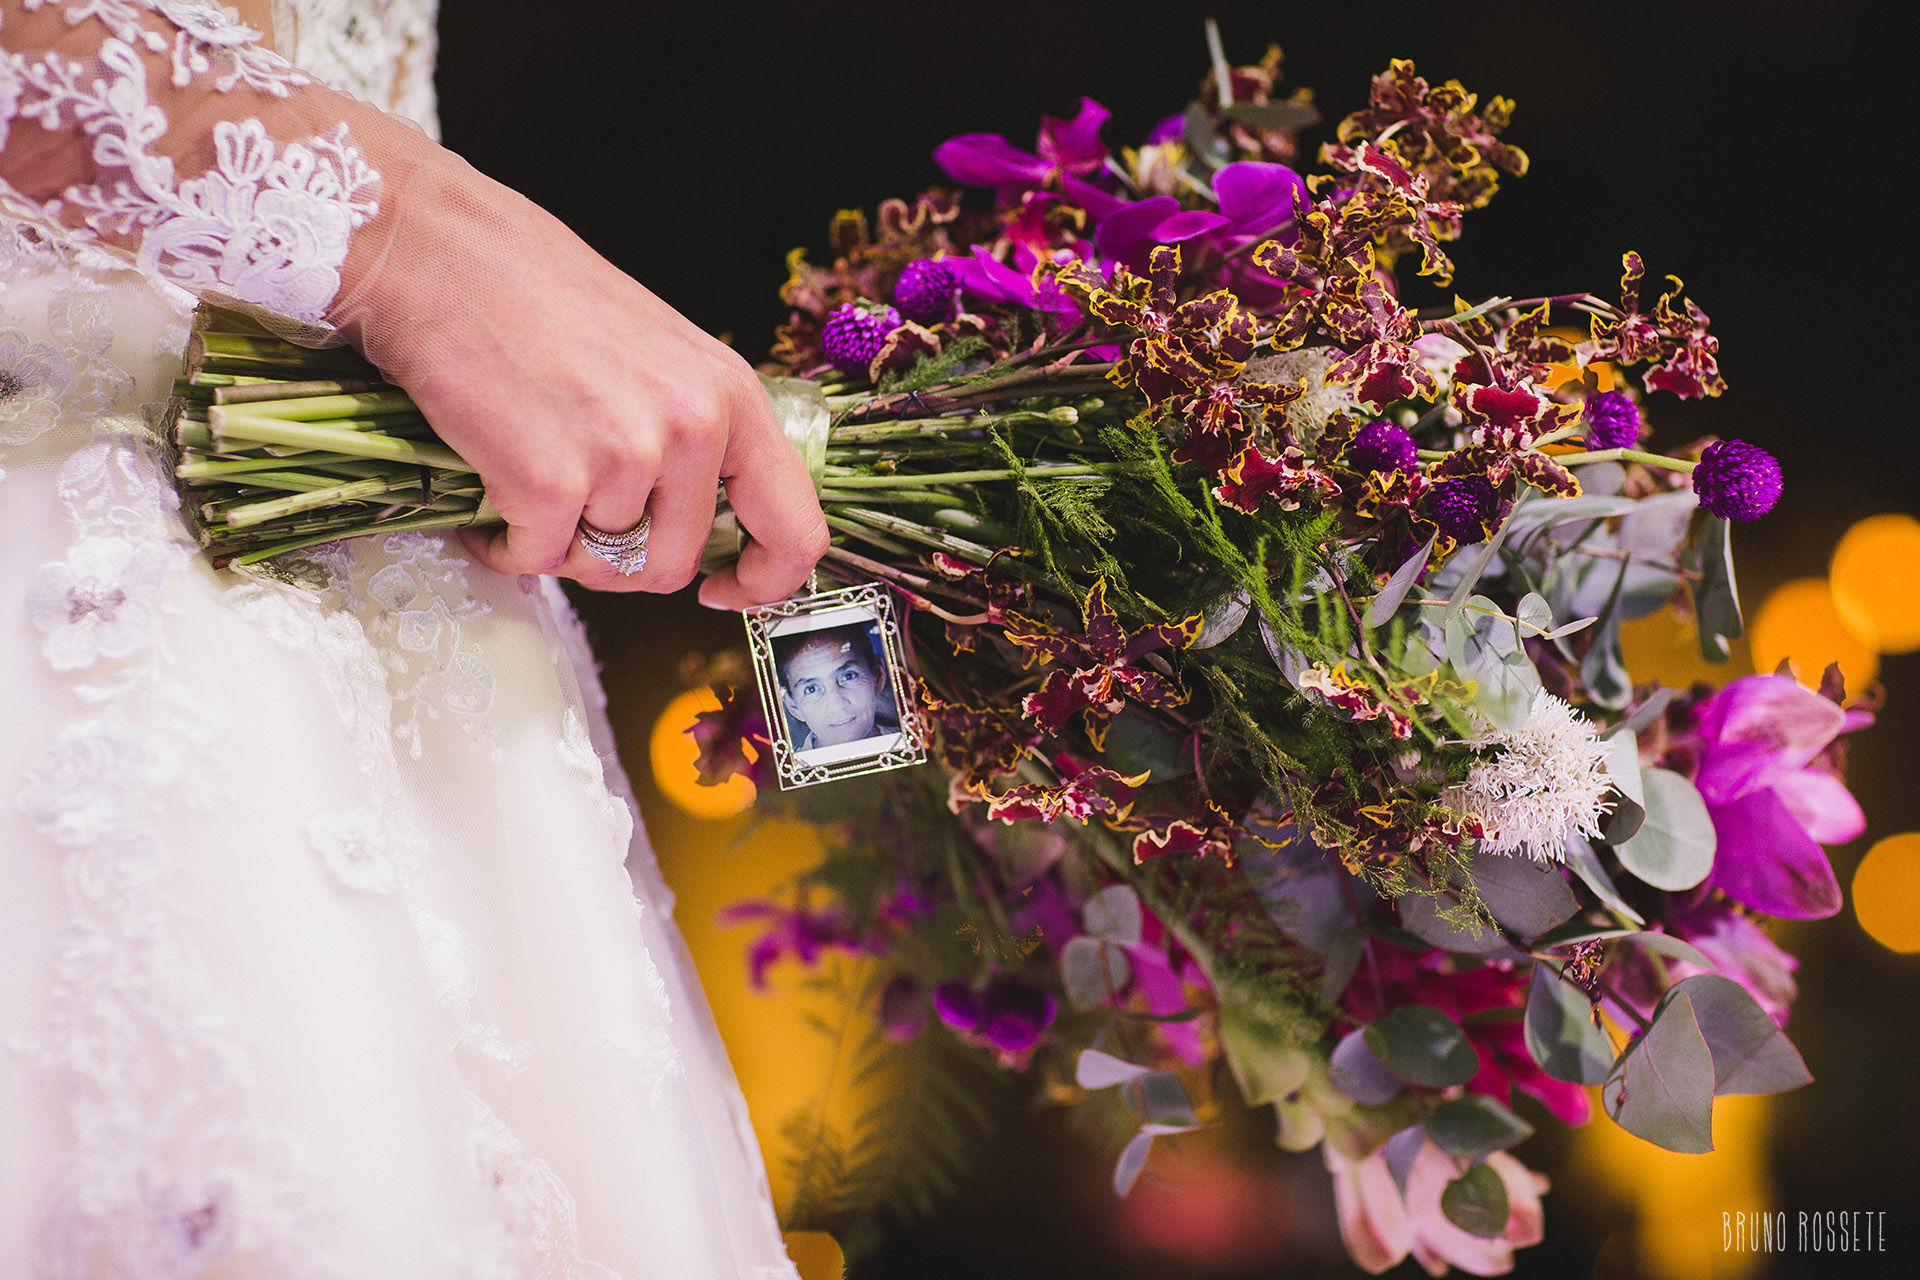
column 269, row 223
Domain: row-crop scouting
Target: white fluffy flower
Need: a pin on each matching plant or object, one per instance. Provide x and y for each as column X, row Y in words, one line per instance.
column 1547, row 778
column 1319, row 399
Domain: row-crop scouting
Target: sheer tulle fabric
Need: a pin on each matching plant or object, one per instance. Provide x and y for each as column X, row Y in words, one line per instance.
column 319, row 952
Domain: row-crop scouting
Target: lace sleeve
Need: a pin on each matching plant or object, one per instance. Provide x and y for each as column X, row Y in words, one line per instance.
column 161, row 132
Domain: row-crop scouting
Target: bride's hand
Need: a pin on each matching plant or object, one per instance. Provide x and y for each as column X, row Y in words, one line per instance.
column 576, row 393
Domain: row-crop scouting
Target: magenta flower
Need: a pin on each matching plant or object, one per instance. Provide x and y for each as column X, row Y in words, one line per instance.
column 1129, row 233
column 1761, row 765
column 1737, row 947
column 1064, row 147
column 987, row 278
column 1008, row 1016
column 800, row 932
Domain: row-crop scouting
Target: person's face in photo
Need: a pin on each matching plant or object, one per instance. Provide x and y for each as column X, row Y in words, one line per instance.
column 832, row 686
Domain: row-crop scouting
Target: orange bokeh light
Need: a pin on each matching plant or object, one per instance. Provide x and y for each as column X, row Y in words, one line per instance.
column 1800, row 623
column 1665, row 647
column 1876, row 582
column 673, row 753
column 1886, row 892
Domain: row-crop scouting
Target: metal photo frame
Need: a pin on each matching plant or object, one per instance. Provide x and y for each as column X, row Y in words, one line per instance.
column 835, row 654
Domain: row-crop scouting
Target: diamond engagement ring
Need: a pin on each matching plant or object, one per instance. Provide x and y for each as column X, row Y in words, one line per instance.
column 626, row 552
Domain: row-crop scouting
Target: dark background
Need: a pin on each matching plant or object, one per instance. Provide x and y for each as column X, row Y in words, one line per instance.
column 1753, row 149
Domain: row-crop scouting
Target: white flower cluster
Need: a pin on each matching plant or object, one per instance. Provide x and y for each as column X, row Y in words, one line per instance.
column 1319, row 399
column 1547, row 778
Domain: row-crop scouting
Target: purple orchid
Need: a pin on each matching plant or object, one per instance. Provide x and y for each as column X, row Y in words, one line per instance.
column 1761, row 764
column 1256, row 203
column 1738, row 948
column 1064, row 147
column 1129, row 233
column 800, row 932
column 987, row 278
column 1008, row 1016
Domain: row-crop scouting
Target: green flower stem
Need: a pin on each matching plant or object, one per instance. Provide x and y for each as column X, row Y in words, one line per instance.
column 938, row 539
column 1063, row 471
column 360, row 404
column 1624, row 455
column 197, row 468
column 228, row 424
column 866, row 432
column 918, row 497
column 854, row 529
column 327, row 494
column 438, row 520
column 258, row 390
column 208, row 344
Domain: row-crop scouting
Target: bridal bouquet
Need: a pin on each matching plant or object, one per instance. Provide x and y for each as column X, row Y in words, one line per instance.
column 1266, row 627
column 1269, row 630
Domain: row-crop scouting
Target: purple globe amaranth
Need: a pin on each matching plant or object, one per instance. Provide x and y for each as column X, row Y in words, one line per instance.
column 1736, row 480
column 1382, row 446
column 1612, row 421
column 1461, row 508
column 854, row 334
column 927, row 291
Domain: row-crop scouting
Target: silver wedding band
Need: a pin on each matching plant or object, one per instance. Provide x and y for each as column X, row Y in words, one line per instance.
column 626, row 552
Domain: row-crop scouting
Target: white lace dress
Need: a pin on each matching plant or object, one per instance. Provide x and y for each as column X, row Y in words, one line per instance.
column 318, row 950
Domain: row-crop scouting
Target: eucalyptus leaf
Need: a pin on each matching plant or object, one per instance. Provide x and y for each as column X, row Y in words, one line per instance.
column 1402, row 1149
column 1133, row 1158
column 1196, row 130
column 1716, row 597
column 1086, row 973
column 1603, row 670
column 1137, row 744
column 1289, row 659
column 1360, row 1075
column 1476, row 1202
column 1561, row 1033
column 1750, row 1053
column 1667, row 945
column 1273, row 115
column 1421, row 917
column 1113, row 914
column 1578, row 624
column 1422, row 1046
column 1623, row 766
column 1578, row 931
column 1097, row 1070
column 1483, row 647
column 1530, row 519
column 1388, row 601
column 1600, row 478
column 1535, row 614
column 1526, row 897
column 1581, row 858
column 1474, row 1126
column 1221, row 617
column 1661, row 1089
column 1673, row 849
column 1475, row 567
column 1164, row 1099
column 1643, row 715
